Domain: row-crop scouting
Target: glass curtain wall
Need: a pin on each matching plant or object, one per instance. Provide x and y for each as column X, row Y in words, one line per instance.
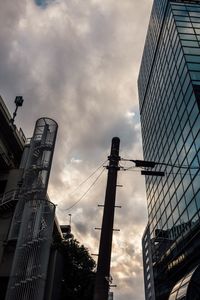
column 169, row 92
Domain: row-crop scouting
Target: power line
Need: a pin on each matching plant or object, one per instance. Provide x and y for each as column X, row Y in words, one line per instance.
column 85, row 180
column 86, row 190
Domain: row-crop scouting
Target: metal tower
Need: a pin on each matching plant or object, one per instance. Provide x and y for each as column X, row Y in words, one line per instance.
column 33, row 220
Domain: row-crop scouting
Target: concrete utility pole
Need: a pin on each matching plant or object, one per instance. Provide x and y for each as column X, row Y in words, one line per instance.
column 103, row 266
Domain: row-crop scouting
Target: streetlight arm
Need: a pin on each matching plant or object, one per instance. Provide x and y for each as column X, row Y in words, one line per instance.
column 152, row 164
column 145, row 164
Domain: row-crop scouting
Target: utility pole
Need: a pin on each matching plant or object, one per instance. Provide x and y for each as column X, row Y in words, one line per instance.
column 103, row 266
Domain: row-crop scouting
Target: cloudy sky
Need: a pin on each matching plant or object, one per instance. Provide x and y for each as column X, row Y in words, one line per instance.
column 77, row 61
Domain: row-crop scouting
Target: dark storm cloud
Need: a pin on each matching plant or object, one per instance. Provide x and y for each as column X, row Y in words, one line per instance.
column 77, row 62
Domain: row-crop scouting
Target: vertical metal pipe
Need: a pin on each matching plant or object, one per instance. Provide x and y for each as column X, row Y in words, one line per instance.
column 103, row 266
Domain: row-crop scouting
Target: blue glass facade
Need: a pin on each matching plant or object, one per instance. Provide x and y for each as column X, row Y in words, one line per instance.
column 169, row 95
column 148, row 265
column 152, row 38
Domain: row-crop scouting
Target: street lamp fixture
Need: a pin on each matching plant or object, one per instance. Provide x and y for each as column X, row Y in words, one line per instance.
column 148, row 165
column 144, row 163
column 151, row 164
column 18, row 102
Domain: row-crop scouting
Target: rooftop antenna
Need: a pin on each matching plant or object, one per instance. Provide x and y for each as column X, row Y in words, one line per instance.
column 18, row 102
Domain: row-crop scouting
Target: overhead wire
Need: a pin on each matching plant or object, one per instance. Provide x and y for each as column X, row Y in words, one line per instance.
column 179, row 167
column 85, row 180
column 131, row 168
column 86, row 192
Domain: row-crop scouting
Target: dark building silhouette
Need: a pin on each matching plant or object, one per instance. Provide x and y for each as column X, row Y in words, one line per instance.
column 169, row 96
column 30, row 268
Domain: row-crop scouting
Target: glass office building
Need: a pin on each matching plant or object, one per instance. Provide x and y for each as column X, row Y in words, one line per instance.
column 169, row 96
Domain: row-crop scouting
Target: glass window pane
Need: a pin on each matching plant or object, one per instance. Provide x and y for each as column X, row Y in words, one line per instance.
column 190, row 43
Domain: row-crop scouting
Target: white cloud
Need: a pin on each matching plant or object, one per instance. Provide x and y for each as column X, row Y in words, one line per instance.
column 77, row 62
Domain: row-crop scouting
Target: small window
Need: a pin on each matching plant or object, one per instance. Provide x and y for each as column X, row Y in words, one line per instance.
column 188, row 37
column 193, row 51
column 192, row 58
column 190, row 43
column 180, row 13
column 186, row 30
column 195, row 75
column 184, row 24
column 179, row 7
column 193, row 67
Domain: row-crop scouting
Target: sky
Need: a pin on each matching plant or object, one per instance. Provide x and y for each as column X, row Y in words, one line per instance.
column 77, row 61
